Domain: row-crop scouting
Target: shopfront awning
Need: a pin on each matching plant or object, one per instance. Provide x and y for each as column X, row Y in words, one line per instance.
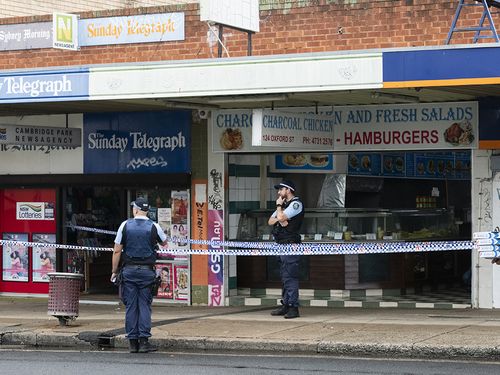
column 432, row 74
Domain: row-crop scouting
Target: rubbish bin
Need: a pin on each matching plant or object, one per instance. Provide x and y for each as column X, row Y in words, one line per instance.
column 64, row 295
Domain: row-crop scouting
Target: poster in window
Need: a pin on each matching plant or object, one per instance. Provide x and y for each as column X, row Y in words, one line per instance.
column 164, row 270
column 180, row 207
column 15, row 258
column 181, row 282
column 165, row 221
column 43, row 257
column 180, row 236
column 179, row 229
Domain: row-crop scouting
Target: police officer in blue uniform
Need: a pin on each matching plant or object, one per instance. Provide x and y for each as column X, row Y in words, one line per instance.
column 286, row 222
column 134, row 251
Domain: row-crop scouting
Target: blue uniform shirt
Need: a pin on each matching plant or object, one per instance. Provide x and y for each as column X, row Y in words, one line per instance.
column 293, row 209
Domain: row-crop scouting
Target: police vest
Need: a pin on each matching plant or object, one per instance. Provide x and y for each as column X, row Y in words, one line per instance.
column 290, row 233
column 139, row 238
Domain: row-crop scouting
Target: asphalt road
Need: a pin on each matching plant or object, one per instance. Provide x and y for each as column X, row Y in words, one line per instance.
column 34, row 362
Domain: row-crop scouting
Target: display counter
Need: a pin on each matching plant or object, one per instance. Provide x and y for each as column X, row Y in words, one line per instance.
column 355, row 224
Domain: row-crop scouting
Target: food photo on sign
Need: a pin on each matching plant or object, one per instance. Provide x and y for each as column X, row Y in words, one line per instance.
column 308, row 162
column 459, row 133
column 231, row 139
column 360, row 163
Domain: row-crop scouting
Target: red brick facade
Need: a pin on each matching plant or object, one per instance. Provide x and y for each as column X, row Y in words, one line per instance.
column 322, row 26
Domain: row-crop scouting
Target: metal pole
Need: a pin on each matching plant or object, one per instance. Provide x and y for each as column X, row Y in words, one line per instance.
column 249, row 44
column 221, row 35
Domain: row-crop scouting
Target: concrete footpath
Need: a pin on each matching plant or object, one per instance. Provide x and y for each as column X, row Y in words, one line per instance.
column 415, row 333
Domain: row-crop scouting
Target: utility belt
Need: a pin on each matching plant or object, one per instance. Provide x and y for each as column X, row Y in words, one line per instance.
column 148, row 261
column 140, row 266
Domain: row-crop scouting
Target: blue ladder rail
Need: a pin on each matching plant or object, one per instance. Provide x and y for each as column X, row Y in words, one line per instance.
column 486, row 4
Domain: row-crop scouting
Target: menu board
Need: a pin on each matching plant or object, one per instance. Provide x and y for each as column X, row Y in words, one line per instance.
column 308, row 163
column 364, row 164
column 428, row 165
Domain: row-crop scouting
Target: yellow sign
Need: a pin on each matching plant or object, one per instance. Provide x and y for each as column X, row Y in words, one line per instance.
column 65, row 31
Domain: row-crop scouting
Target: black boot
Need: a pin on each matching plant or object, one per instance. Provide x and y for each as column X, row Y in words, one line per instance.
column 282, row 310
column 133, row 345
column 145, row 346
column 293, row 312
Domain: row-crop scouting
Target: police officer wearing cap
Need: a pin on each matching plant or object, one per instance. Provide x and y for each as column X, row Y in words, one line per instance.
column 286, row 222
column 134, row 251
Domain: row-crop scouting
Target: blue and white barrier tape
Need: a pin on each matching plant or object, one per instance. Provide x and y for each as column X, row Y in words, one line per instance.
column 270, row 248
column 291, row 249
column 487, row 244
column 52, row 245
column 89, row 229
column 317, row 248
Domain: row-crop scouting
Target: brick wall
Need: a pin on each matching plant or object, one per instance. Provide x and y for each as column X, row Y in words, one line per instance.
column 286, row 27
column 13, row 8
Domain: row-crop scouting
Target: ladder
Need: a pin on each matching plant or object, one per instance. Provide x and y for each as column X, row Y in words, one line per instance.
column 486, row 4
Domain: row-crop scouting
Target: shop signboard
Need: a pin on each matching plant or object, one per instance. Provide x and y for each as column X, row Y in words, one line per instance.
column 25, row 36
column 292, row 130
column 397, row 127
column 65, row 31
column 406, row 127
column 40, row 135
column 41, row 86
column 137, row 142
column 232, row 131
column 71, row 32
column 35, row 211
column 42, row 159
column 162, row 27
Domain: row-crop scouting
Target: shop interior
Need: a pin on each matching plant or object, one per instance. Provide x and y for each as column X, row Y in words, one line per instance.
column 102, row 208
column 380, row 207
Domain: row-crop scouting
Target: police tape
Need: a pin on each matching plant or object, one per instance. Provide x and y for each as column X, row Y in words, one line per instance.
column 268, row 248
column 89, row 229
column 271, row 248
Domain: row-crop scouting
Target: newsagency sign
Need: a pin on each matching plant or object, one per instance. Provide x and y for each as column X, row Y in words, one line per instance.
column 25, row 36
column 40, row 135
